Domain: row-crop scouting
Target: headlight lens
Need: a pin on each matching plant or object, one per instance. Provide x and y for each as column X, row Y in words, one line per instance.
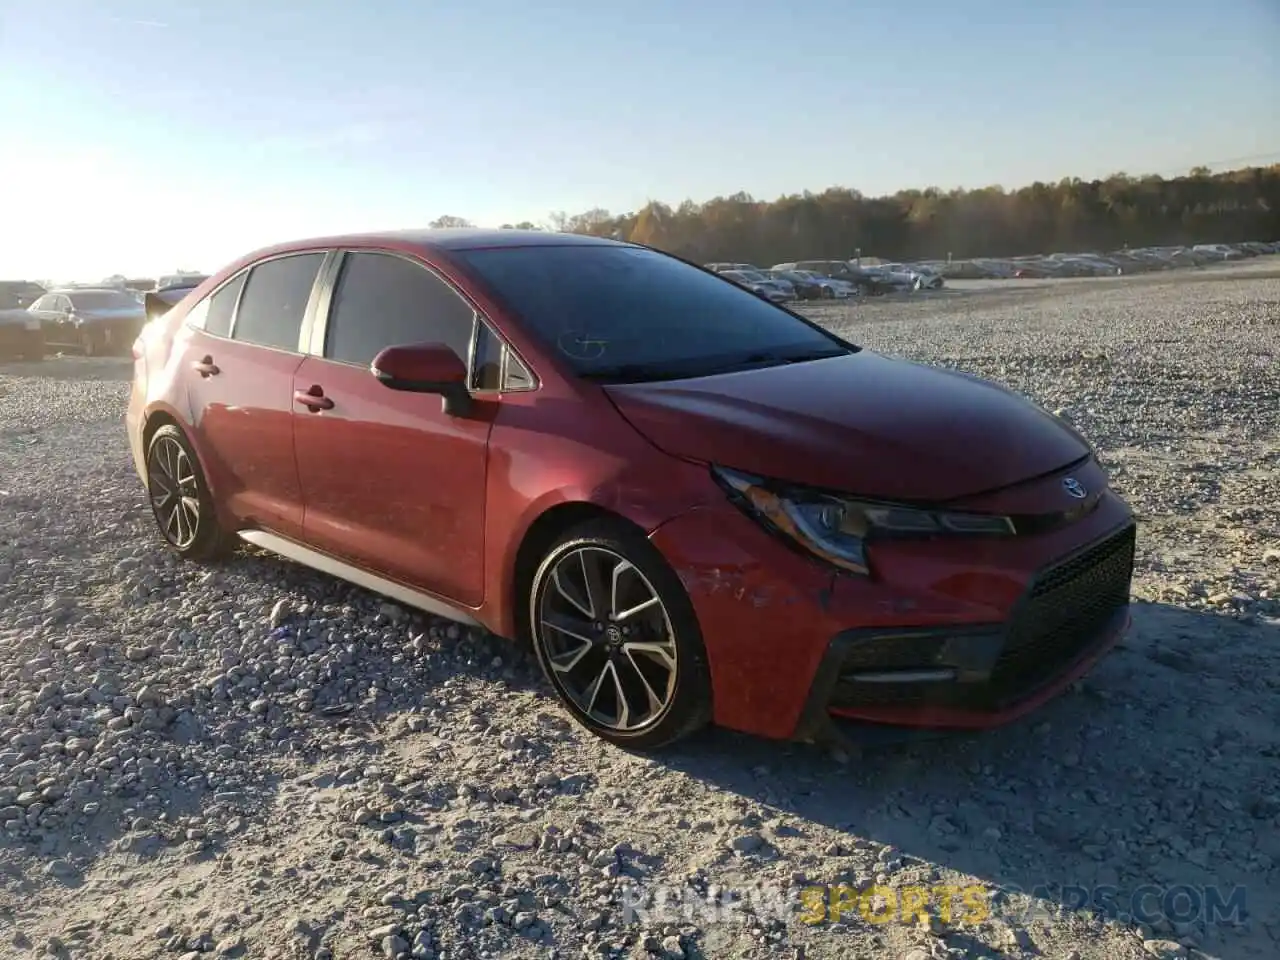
column 837, row 529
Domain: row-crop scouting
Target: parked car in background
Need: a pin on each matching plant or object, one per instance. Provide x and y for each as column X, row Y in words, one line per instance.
column 1037, row 270
column 1218, row 251
column 468, row 422
column 21, row 336
column 913, row 276
column 832, row 289
column 806, row 287
column 180, row 279
column 865, row 280
column 763, row 276
column 96, row 321
column 760, row 284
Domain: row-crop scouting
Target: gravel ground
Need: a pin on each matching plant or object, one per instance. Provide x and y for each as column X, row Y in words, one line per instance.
column 254, row 760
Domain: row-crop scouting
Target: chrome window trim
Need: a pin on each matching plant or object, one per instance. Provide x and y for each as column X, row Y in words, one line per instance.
column 320, row 328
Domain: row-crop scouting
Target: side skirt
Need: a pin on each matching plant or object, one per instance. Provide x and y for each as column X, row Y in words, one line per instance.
column 362, row 578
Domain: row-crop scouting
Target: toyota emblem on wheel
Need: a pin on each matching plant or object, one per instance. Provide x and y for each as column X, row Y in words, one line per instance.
column 1074, row 488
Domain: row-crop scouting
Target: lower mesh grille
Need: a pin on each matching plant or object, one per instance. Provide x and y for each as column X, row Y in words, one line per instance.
column 1065, row 611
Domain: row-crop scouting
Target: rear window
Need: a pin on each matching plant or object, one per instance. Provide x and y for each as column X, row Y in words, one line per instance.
column 104, row 300
column 603, row 308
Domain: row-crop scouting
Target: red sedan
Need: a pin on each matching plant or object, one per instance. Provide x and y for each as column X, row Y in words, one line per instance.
column 694, row 504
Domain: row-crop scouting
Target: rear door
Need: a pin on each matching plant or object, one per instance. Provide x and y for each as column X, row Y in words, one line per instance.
column 391, row 482
column 240, row 351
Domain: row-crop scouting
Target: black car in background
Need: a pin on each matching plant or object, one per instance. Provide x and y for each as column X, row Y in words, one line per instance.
column 21, row 336
column 95, row 320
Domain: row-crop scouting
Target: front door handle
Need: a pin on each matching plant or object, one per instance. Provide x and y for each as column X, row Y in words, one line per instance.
column 205, row 367
column 313, row 399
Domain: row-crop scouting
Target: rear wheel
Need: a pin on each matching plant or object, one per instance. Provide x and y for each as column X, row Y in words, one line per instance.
column 616, row 636
column 180, row 499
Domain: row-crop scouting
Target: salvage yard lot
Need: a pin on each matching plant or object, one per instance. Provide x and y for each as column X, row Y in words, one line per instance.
column 256, row 760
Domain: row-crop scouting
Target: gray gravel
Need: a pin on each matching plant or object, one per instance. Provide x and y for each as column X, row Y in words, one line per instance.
column 254, row 760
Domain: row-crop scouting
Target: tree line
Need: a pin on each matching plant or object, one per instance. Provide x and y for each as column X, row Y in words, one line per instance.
column 1072, row 215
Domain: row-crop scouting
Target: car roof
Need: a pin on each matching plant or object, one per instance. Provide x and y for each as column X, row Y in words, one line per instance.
column 449, row 239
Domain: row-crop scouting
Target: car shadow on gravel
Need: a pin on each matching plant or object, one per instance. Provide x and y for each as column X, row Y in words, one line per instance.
column 1159, row 772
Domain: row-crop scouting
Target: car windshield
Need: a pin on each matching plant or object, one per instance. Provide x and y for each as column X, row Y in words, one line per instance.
column 629, row 313
column 102, row 300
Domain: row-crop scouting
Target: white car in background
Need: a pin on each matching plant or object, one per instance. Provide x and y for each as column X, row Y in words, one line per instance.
column 912, row 276
column 1219, row 250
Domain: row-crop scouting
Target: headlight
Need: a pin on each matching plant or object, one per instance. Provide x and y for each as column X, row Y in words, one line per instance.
column 837, row 529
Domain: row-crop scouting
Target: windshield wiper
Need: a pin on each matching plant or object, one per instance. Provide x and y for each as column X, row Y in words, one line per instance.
column 635, row 373
column 653, row 372
column 778, row 358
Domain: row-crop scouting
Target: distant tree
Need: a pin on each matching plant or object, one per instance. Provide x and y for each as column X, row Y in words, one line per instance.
column 448, row 220
column 1072, row 214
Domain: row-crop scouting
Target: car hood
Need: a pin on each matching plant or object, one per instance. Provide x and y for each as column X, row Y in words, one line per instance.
column 863, row 423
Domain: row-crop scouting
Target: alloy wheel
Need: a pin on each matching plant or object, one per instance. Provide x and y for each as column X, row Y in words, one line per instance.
column 607, row 638
column 175, row 495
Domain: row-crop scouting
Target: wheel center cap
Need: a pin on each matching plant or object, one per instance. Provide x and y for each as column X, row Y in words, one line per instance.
column 613, row 634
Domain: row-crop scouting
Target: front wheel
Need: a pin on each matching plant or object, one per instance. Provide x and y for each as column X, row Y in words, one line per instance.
column 180, row 499
column 616, row 636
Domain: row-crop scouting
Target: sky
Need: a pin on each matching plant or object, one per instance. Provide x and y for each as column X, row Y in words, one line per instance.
column 145, row 136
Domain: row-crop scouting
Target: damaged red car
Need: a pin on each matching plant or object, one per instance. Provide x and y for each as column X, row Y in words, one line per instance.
column 695, row 505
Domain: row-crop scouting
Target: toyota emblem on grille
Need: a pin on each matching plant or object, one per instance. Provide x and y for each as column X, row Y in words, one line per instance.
column 1074, row 488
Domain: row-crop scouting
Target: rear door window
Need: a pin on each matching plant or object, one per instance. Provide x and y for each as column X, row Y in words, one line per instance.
column 275, row 301
column 222, row 305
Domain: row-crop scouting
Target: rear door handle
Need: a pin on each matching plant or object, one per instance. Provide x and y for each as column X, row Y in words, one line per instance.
column 205, row 367
column 313, row 399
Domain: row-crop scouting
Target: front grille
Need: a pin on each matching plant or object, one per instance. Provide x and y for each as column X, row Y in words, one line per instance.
column 1065, row 610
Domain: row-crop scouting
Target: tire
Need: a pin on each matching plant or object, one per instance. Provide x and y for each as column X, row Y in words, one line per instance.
column 586, row 653
column 172, row 464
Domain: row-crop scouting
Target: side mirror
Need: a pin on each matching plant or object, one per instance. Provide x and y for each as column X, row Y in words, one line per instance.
column 425, row 368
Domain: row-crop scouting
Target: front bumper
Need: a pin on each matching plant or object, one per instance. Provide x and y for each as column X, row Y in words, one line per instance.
column 977, row 677
column 992, row 629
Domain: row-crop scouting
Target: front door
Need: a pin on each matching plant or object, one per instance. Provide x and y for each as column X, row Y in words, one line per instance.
column 240, row 353
column 53, row 309
column 390, row 482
